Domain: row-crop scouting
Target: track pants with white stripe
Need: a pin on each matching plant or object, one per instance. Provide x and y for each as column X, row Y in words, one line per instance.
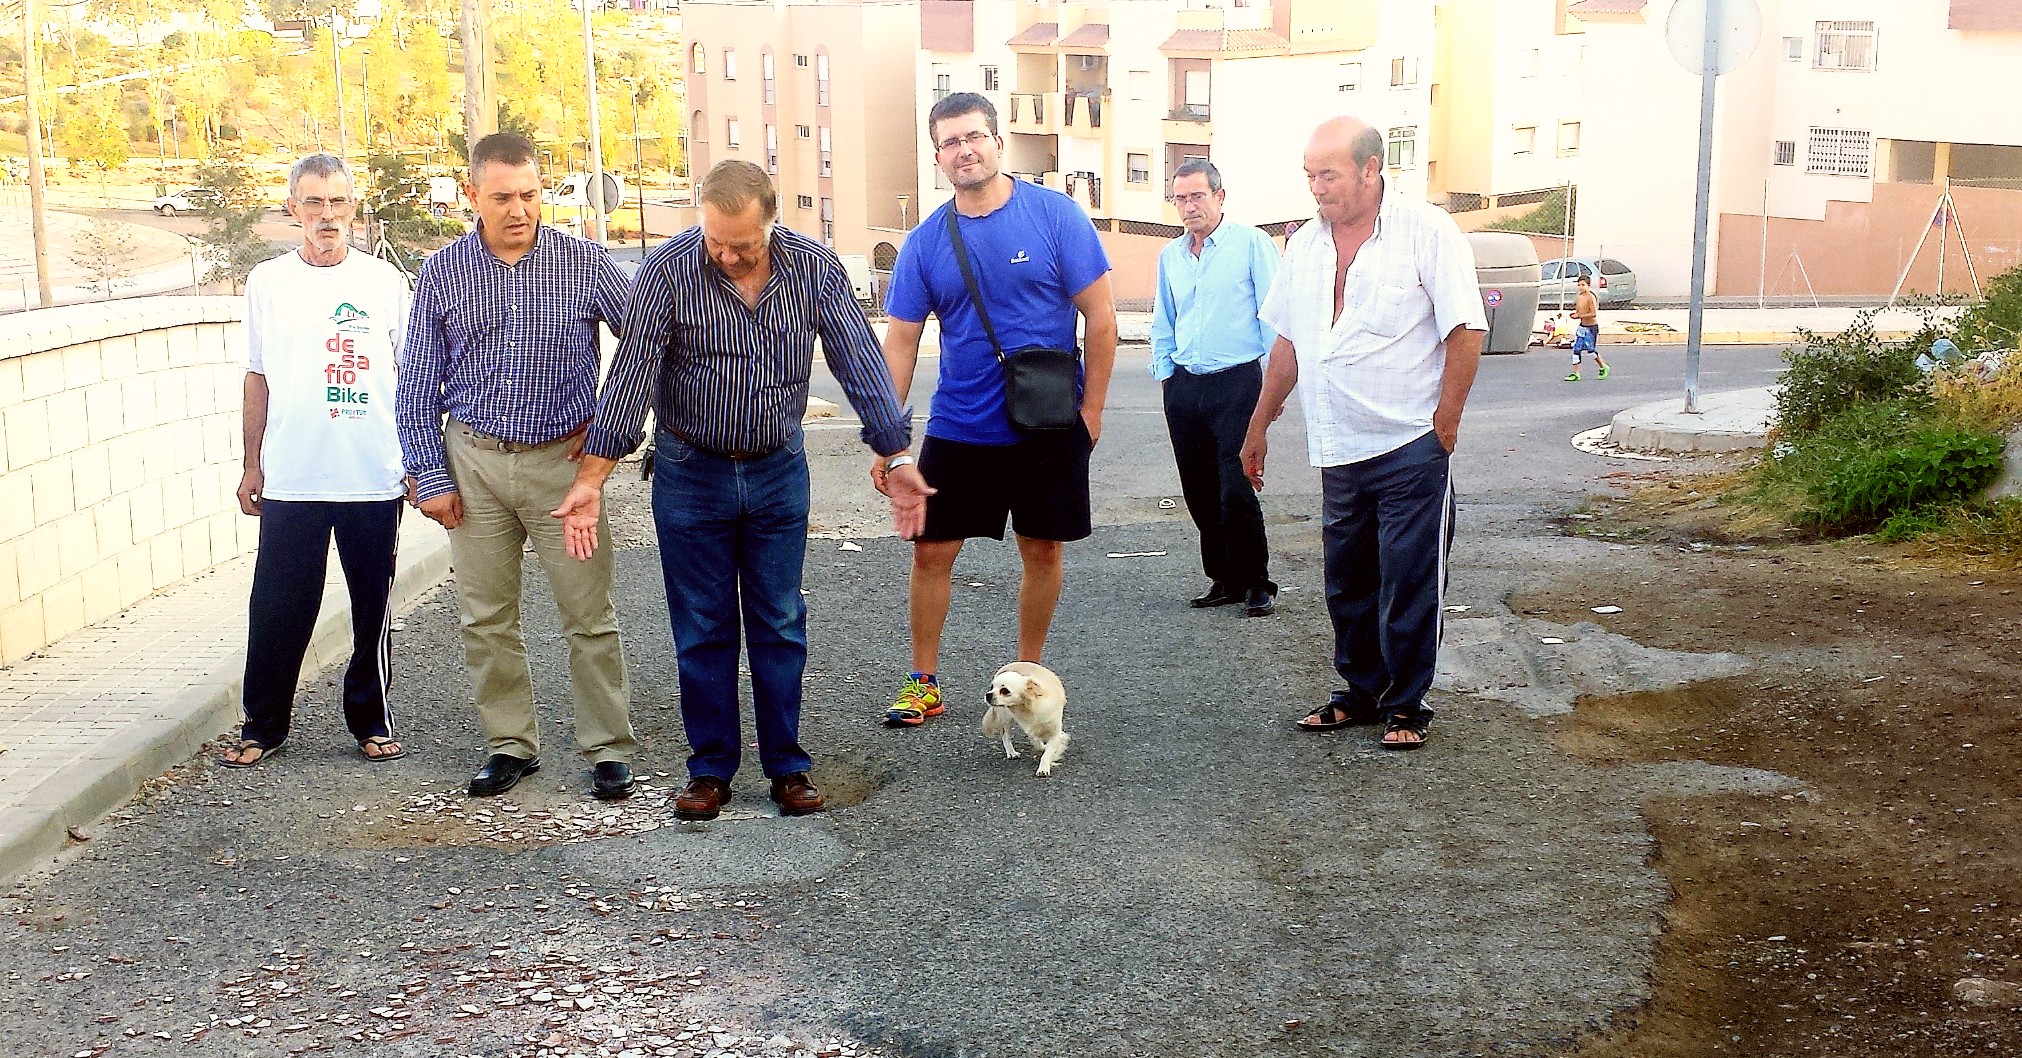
column 287, row 594
column 1388, row 528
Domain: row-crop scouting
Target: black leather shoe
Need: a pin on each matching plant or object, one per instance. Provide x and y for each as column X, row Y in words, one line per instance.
column 1216, row 595
column 501, row 772
column 613, row 780
column 1260, row 602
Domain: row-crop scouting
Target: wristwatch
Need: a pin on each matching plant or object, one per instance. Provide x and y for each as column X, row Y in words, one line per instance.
column 897, row 461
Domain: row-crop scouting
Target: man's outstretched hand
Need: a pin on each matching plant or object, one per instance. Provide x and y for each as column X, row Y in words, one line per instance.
column 579, row 512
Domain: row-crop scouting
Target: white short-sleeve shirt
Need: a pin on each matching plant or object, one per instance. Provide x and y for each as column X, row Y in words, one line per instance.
column 327, row 339
column 1369, row 381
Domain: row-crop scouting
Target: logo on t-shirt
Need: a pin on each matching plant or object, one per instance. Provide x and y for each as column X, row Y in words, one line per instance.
column 350, row 319
column 1021, row 257
column 342, row 392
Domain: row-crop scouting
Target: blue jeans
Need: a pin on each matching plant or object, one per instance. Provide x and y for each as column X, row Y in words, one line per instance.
column 733, row 539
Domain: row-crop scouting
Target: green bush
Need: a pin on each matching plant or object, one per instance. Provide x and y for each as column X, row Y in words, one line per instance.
column 1929, row 466
column 1995, row 323
column 1832, row 374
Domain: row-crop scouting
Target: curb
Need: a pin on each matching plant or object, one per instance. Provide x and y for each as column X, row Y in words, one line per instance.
column 1727, row 337
column 37, row 830
column 1727, row 423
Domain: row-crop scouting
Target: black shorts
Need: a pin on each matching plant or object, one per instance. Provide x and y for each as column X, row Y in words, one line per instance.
column 1040, row 483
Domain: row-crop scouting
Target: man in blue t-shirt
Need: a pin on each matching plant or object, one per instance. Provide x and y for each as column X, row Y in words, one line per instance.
column 1038, row 264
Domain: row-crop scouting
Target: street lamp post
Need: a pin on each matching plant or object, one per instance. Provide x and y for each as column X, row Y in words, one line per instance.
column 365, row 96
column 638, row 165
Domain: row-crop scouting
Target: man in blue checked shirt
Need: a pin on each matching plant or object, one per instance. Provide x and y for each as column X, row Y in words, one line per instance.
column 719, row 342
column 1208, row 348
column 503, row 341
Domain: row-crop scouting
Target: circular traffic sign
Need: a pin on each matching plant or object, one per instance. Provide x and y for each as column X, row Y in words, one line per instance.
column 1726, row 44
column 1494, row 298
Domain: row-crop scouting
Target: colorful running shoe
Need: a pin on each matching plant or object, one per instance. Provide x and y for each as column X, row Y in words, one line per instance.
column 1604, row 372
column 1574, row 377
column 919, row 699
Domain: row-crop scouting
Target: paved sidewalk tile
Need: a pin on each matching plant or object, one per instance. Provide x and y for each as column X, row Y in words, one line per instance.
column 89, row 717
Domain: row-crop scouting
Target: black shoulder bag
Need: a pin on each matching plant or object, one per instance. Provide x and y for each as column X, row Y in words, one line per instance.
column 1041, row 385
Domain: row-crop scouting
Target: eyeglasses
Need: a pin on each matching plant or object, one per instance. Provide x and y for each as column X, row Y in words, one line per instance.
column 1191, row 199
column 319, row 205
column 974, row 139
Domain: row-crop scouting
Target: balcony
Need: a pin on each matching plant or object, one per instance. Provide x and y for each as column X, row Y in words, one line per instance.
column 1034, row 112
column 1084, row 112
column 1187, row 123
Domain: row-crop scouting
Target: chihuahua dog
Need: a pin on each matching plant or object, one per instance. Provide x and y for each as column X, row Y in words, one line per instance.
column 1030, row 696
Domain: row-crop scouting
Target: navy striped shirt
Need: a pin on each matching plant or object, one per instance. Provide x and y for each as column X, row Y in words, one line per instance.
column 509, row 350
column 734, row 379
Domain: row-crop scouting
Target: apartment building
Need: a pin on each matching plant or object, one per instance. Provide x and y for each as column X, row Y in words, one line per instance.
column 820, row 93
column 1102, row 99
column 1507, row 103
column 1835, row 145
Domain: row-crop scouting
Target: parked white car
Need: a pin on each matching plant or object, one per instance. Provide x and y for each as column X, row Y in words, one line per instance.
column 186, row 201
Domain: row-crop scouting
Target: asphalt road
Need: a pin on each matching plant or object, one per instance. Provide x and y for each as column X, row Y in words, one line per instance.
column 1197, row 878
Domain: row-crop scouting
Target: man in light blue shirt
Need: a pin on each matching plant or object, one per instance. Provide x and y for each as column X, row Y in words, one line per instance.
column 1207, row 347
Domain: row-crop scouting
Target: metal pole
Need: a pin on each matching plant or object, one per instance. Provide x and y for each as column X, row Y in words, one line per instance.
column 1944, row 232
column 1762, row 268
column 639, row 170
column 365, row 94
column 596, row 152
column 337, row 72
column 31, row 69
column 1702, row 207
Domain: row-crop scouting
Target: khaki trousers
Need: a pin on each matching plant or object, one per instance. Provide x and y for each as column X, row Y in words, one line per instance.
column 508, row 490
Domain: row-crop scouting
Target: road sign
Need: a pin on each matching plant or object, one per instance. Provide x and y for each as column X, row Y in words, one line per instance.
column 1494, row 298
column 1729, row 38
column 605, row 193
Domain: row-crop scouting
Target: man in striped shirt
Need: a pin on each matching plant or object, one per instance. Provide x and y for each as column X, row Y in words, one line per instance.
column 503, row 340
column 719, row 341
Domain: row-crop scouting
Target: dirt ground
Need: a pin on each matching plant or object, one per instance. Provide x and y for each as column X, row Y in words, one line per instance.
column 1876, row 910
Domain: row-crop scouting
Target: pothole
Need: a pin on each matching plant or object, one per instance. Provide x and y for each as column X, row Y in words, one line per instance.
column 539, row 814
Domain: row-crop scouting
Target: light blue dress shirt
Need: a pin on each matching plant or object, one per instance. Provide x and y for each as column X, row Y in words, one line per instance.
column 1205, row 315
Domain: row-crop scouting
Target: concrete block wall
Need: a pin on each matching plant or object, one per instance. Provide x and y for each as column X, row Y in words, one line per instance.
column 119, row 458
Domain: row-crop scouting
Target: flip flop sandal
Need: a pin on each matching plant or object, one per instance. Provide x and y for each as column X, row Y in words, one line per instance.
column 1398, row 723
column 1345, row 710
column 381, row 742
column 225, row 759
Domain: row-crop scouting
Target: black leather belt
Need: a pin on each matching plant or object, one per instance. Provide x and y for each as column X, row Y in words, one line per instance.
column 737, row 455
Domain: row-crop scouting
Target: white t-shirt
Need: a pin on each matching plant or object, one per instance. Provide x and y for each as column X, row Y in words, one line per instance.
column 1369, row 380
column 327, row 339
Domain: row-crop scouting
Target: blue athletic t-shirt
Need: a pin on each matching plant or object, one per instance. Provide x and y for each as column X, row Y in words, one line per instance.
column 1031, row 257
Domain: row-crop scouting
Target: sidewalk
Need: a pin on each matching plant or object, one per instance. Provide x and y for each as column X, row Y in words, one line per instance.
column 89, row 719
column 1724, row 326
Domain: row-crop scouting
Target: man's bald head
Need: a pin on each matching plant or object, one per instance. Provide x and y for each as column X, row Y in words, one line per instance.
column 1344, row 170
column 1348, row 142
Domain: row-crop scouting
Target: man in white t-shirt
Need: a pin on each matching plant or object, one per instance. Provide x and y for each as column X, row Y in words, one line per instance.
column 323, row 326
column 1381, row 327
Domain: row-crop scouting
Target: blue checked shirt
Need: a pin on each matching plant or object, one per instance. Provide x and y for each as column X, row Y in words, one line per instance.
column 509, row 350
column 734, row 379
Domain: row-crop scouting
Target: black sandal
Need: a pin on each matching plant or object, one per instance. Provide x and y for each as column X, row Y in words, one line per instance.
column 1397, row 722
column 380, row 742
column 1343, row 709
column 225, row 759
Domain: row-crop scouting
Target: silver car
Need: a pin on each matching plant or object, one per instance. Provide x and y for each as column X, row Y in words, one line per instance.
column 1614, row 283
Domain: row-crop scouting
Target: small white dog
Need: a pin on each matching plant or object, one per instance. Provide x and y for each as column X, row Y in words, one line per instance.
column 1030, row 695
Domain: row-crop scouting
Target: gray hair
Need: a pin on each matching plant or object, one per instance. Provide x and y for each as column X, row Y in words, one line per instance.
column 1368, row 144
column 1202, row 166
column 318, row 165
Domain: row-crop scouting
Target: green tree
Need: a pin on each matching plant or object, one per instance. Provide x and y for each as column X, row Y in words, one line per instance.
column 231, row 245
column 94, row 133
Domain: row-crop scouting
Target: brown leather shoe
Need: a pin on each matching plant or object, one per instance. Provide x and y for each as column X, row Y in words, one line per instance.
column 701, row 799
column 796, row 796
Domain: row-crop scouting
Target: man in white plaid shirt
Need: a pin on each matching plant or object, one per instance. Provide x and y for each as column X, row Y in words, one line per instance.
column 1378, row 313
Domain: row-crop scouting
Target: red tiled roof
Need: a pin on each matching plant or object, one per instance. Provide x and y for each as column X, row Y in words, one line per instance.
column 1089, row 35
column 1036, row 35
column 1224, row 40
